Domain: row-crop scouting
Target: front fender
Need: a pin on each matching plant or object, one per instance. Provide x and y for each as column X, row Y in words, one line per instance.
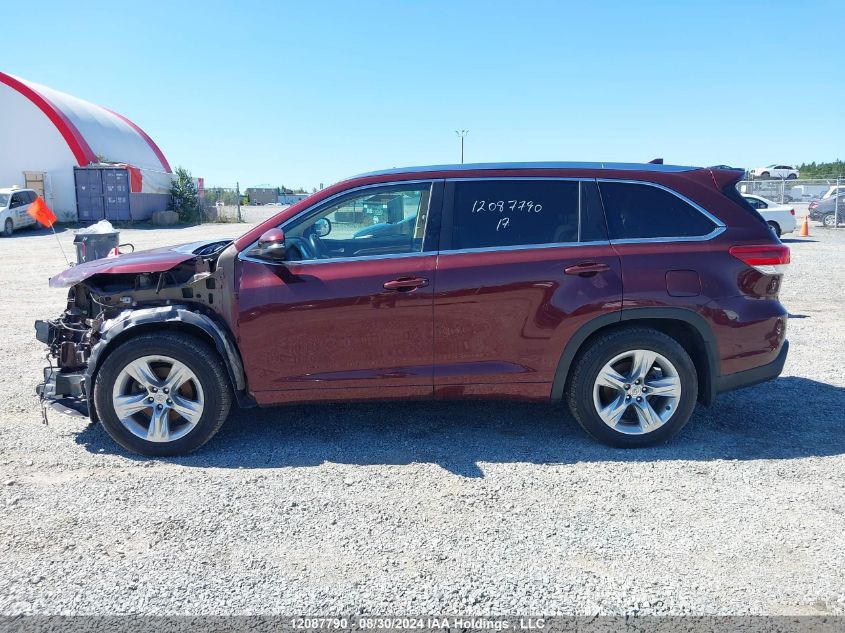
column 114, row 329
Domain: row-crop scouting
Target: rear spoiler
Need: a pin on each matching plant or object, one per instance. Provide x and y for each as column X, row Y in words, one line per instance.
column 724, row 176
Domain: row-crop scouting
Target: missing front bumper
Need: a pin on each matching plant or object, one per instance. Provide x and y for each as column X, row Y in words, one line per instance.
column 64, row 392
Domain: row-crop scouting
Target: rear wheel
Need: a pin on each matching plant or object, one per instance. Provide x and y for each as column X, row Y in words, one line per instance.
column 791, row 177
column 775, row 227
column 162, row 394
column 633, row 388
column 829, row 220
column 8, row 228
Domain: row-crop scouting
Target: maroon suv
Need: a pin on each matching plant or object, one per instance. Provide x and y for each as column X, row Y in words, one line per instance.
column 632, row 291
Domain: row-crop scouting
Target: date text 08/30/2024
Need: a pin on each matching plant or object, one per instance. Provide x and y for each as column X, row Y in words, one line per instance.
column 417, row 623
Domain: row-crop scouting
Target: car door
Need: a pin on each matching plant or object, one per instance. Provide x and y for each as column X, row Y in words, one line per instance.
column 24, row 218
column 524, row 264
column 349, row 314
column 16, row 206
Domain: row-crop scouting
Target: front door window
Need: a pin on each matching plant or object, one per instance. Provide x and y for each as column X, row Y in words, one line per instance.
column 382, row 221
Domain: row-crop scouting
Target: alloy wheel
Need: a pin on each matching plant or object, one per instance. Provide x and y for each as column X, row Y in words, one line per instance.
column 158, row 398
column 637, row 392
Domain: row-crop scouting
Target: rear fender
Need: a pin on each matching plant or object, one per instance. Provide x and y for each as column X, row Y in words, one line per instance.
column 647, row 316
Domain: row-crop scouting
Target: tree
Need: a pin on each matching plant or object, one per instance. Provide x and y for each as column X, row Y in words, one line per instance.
column 184, row 197
column 835, row 169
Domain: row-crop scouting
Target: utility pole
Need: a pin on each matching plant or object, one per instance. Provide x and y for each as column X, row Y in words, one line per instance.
column 238, row 195
column 462, row 134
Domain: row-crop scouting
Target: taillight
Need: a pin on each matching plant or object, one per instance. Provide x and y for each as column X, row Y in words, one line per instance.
column 769, row 259
column 792, row 212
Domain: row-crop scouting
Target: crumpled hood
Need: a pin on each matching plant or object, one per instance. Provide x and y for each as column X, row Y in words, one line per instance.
column 155, row 260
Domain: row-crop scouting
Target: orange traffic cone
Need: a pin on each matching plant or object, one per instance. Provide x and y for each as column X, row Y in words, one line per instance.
column 805, row 227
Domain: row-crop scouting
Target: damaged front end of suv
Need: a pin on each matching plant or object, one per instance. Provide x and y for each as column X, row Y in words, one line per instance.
column 184, row 289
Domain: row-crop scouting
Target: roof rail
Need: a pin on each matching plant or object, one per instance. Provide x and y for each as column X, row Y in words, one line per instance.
column 545, row 165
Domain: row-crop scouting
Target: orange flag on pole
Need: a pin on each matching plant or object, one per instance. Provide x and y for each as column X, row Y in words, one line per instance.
column 41, row 213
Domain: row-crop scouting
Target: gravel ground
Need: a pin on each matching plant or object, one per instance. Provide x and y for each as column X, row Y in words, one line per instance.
column 472, row 508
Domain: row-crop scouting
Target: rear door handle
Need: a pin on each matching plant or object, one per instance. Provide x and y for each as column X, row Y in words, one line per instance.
column 586, row 269
column 405, row 284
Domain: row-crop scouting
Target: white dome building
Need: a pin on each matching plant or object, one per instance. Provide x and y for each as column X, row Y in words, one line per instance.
column 88, row 162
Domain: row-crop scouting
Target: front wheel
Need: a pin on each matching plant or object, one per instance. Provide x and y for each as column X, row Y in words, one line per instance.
column 8, row 228
column 162, row 394
column 791, row 177
column 829, row 220
column 633, row 388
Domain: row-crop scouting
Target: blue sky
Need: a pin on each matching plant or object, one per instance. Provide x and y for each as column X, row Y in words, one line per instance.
column 309, row 92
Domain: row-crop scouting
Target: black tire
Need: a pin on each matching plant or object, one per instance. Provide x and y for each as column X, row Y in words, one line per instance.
column 200, row 358
column 829, row 220
column 588, row 364
column 775, row 227
column 765, row 175
column 8, row 228
column 791, row 177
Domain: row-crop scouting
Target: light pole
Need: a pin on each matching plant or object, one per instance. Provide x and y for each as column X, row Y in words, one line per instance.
column 462, row 134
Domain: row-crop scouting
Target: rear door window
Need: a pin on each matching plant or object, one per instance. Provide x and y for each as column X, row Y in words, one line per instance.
column 503, row 213
column 641, row 211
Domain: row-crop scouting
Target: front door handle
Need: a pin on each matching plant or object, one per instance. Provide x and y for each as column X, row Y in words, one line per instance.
column 586, row 269
column 406, row 284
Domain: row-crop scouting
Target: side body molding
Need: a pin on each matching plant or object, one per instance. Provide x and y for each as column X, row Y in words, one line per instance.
column 126, row 321
column 707, row 379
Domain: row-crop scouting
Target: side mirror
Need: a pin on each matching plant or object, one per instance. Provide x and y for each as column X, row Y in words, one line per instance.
column 271, row 245
column 322, row 227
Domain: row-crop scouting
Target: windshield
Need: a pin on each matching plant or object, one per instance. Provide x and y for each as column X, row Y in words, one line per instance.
column 4, row 200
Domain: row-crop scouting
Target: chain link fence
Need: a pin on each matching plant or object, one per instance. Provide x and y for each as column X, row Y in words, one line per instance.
column 220, row 204
column 822, row 199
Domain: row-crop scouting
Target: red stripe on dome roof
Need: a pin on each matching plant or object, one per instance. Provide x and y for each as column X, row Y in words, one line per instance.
column 144, row 136
column 76, row 142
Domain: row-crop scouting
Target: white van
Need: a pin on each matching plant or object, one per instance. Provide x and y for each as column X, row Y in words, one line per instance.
column 14, row 204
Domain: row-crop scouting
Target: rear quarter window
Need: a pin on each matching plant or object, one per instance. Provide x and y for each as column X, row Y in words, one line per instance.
column 641, row 211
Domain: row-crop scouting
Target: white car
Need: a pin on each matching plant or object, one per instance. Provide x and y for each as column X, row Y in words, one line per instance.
column 14, row 204
column 833, row 190
column 775, row 171
column 778, row 216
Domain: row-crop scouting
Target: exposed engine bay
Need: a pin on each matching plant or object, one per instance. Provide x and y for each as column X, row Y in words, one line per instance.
column 106, row 301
